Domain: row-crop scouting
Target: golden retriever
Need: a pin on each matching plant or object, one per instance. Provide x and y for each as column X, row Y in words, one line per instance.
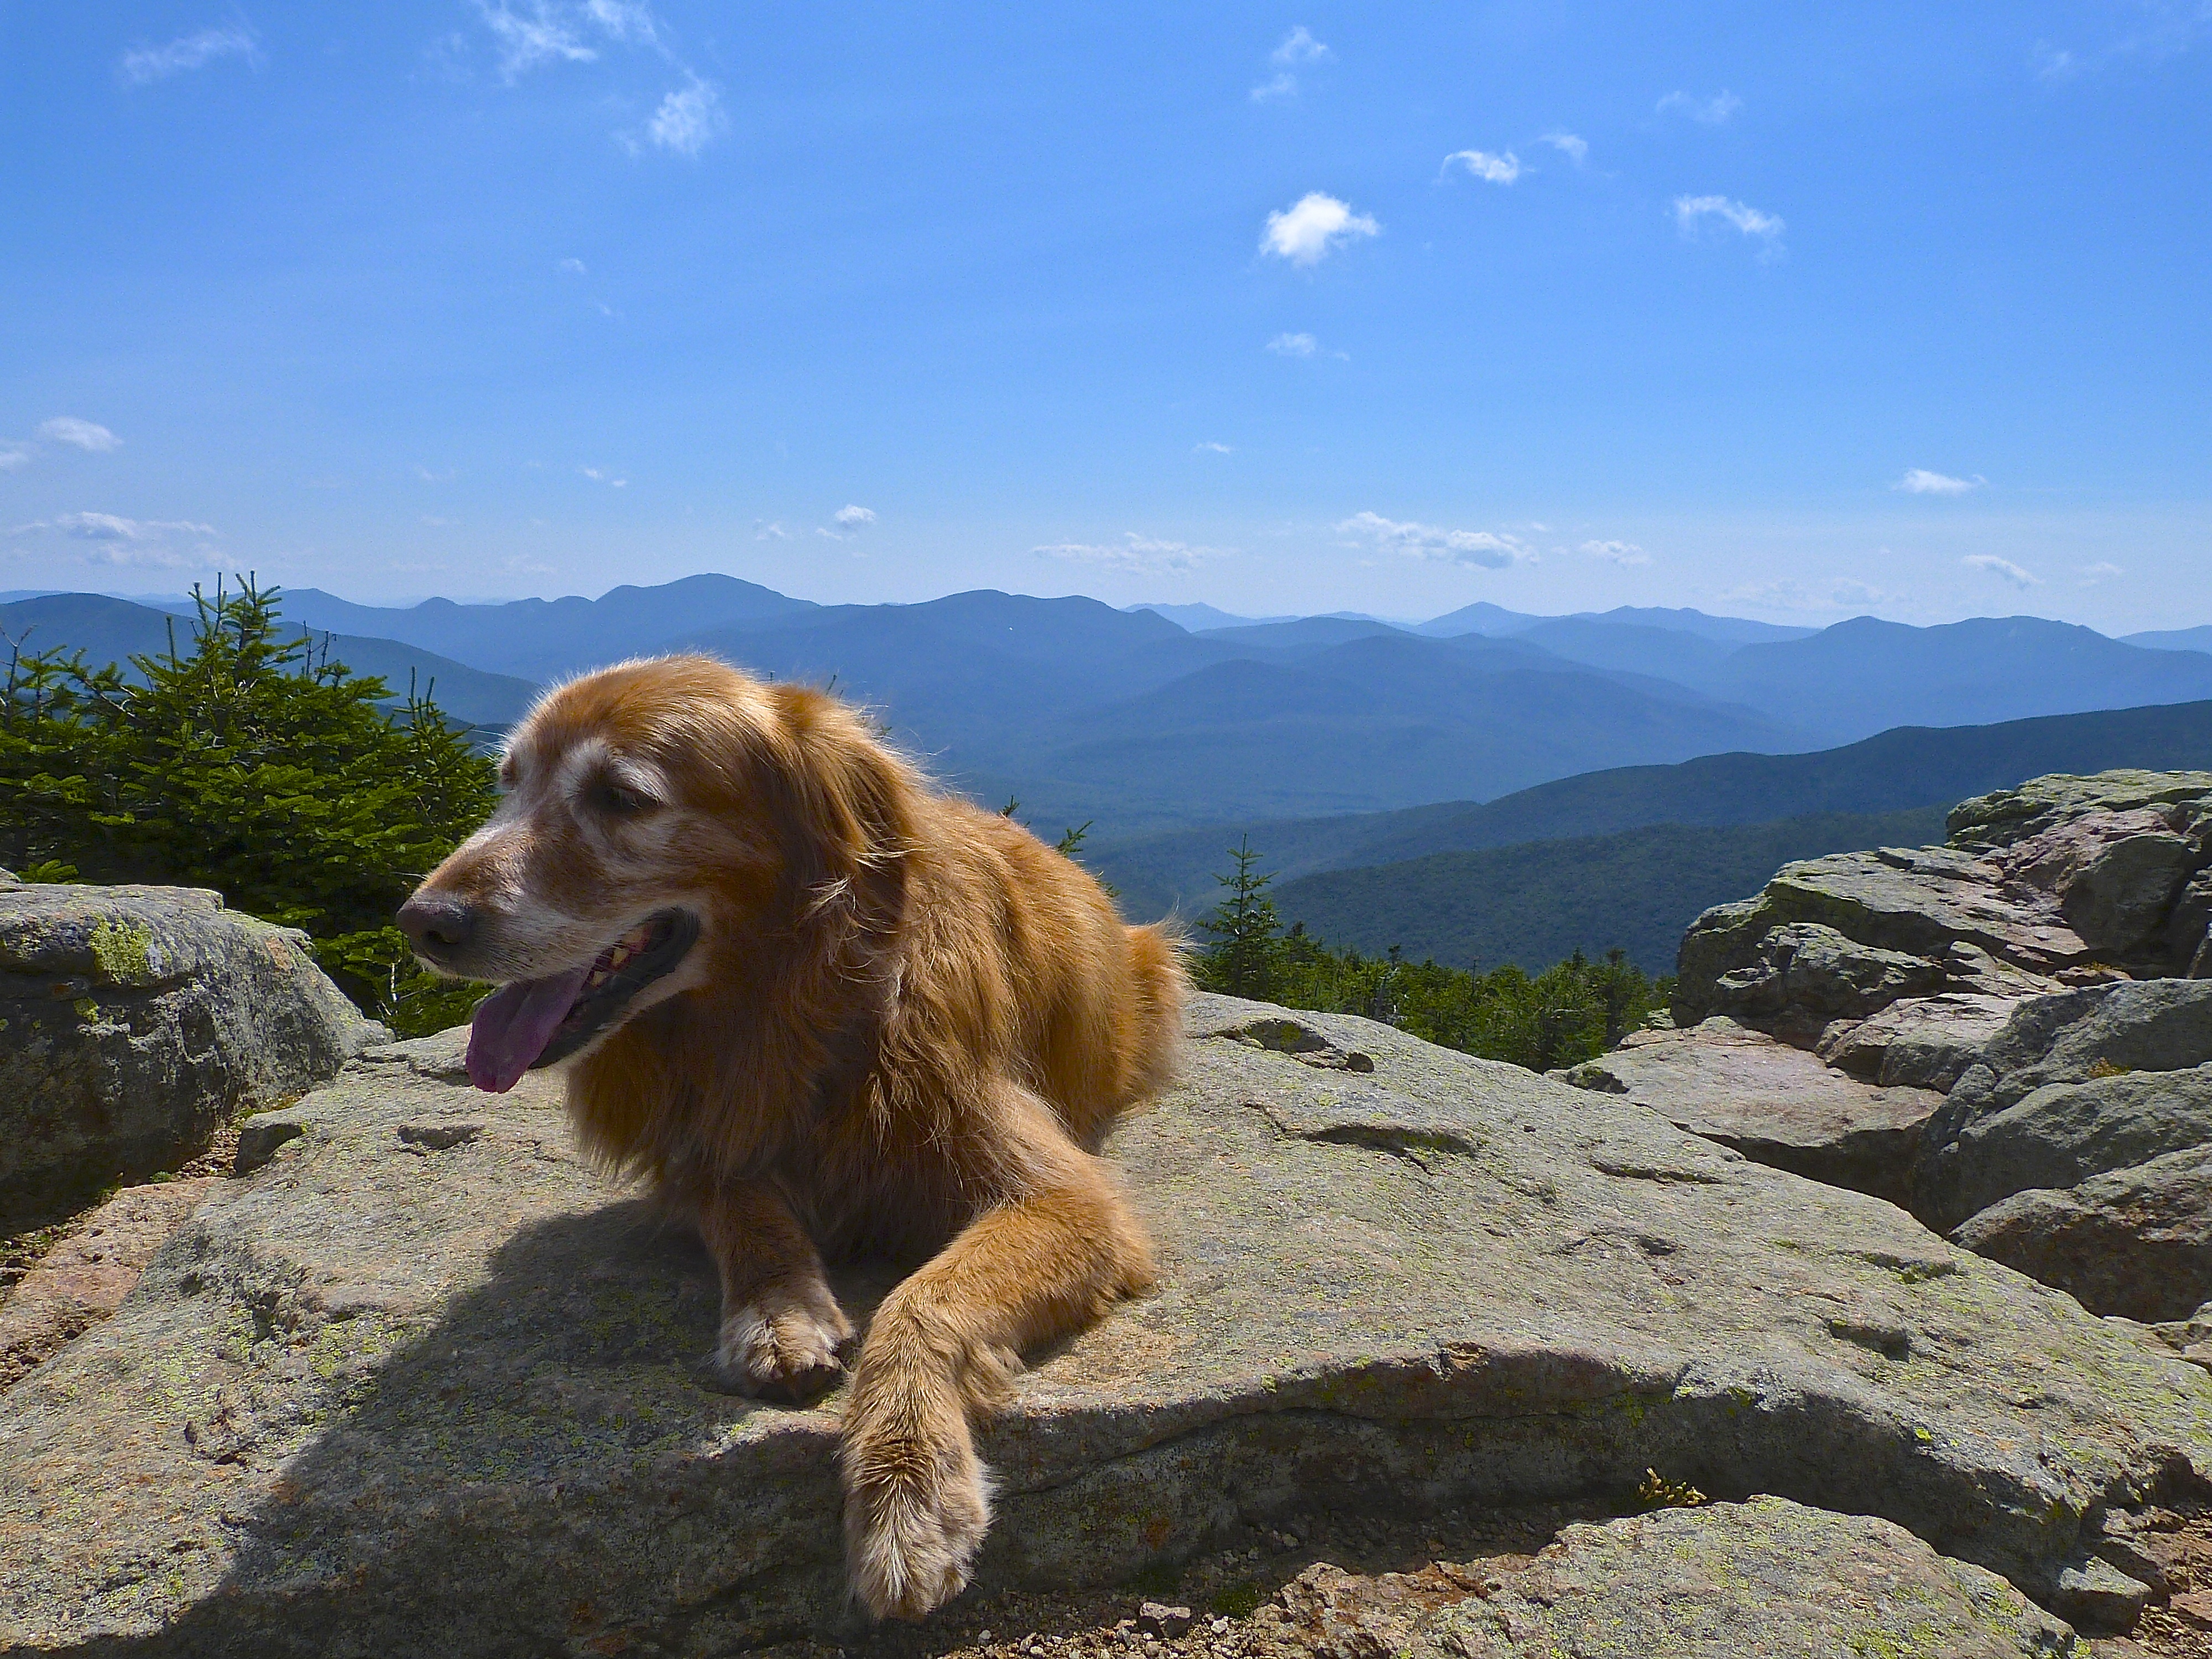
column 827, row 1011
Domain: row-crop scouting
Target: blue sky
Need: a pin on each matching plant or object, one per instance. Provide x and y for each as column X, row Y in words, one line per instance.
column 1789, row 311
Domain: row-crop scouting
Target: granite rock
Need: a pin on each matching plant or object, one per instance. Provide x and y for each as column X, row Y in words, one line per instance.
column 133, row 1021
column 1742, row 1581
column 1769, row 1101
column 431, row 1394
column 2136, row 1242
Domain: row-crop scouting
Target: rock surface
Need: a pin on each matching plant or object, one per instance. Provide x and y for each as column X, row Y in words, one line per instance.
column 2136, row 1242
column 422, row 1384
column 1774, row 1104
column 1741, row 1581
column 133, row 1020
column 85, row 1276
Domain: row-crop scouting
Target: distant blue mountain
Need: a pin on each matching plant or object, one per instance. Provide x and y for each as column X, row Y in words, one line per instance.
column 1197, row 618
column 2172, row 639
column 547, row 639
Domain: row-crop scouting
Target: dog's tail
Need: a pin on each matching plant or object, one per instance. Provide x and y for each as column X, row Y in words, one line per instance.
column 1160, row 983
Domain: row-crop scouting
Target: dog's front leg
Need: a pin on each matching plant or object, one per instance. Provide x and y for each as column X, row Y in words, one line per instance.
column 782, row 1330
column 1047, row 1260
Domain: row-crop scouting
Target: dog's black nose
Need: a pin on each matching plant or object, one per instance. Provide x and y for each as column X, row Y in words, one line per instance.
column 438, row 925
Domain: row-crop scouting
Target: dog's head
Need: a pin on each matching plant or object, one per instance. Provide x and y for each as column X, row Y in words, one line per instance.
column 657, row 817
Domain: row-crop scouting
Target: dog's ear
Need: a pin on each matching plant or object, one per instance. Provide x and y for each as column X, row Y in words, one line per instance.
column 848, row 808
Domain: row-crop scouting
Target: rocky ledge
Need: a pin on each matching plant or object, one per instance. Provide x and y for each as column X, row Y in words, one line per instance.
column 135, row 1021
column 2010, row 1034
column 423, row 1383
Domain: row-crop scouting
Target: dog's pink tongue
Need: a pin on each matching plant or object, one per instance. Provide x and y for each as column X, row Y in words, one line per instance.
column 512, row 1026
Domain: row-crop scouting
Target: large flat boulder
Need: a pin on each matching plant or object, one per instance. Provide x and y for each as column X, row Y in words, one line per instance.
column 133, row 1021
column 1922, row 1043
column 1769, row 1101
column 1981, row 1144
column 2136, row 1242
column 1742, row 1581
column 423, row 1385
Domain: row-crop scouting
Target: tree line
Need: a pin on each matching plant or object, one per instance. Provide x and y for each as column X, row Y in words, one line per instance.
column 1571, row 1011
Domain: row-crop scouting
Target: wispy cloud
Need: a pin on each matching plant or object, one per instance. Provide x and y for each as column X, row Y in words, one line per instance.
column 1139, row 554
column 1427, row 541
column 142, row 66
column 2161, row 29
column 1208, row 447
column 688, row 120
column 1314, row 227
column 765, row 531
column 2003, row 570
column 540, row 33
column 12, row 456
column 89, row 435
column 1297, row 48
column 574, row 267
column 1575, row 149
column 114, row 540
column 1919, row 481
column 1709, row 112
column 1765, row 228
column 1294, row 345
column 1622, row 553
column 2091, row 575
column 1481, row 164
column 599, row 476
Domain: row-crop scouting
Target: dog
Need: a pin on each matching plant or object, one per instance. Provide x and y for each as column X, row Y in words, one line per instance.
column 826, row 1011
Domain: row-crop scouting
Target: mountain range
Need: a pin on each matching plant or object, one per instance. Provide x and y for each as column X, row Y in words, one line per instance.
column 1153, row 718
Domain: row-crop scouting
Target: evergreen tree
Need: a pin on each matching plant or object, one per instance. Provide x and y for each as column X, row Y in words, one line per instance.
column 254, row 764
column 1241, row 963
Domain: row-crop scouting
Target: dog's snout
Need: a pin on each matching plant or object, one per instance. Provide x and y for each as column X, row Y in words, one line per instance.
column 438, row 925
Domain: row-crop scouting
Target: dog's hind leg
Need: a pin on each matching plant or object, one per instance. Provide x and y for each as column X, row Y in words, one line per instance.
column 1048, row 1260
column 782, row 1330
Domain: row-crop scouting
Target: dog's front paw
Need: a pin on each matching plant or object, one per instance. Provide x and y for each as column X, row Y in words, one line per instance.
column 791, row 1353
column 915, row 1516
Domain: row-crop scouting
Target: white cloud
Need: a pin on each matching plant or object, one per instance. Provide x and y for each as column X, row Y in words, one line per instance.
column 688, row 118
column 89, row 435
column 142, row 66
column 108, row 527
column 11, row 458
column 764, row 532
column 436, row 522
column 1315, row 225
column 1836, row 593
column 428, row 476
column 607, row 479
column 623, row 20
column 1623, row 553
column 1299, row 46
column 574, row 267
column 1575, row 149
column 1711, row 111
column 1293, row 345
column 1141, row 555
column 2003, row 570
column 542, row 32
column 1766, row 227
column 2102, row 571
column 1427, row 541
column 1919, row 481
column 851, row 518
column 1208, row 447
column 1494, row 169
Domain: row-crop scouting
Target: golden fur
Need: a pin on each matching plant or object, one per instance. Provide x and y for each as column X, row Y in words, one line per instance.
column 903, row 1028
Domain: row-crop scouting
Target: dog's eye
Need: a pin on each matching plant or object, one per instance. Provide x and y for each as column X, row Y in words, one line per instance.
column 619, row 802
